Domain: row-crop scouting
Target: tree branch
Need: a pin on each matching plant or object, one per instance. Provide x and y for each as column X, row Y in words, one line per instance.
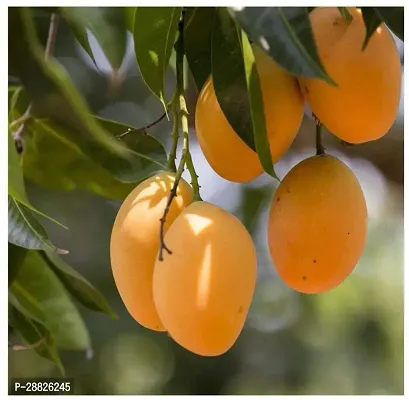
column 144, row 128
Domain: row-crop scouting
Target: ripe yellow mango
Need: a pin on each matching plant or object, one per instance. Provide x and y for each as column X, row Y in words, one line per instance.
column 317, row 225
column 365, row 103
column 203, row 290
column 135, row 243
column 226, row 152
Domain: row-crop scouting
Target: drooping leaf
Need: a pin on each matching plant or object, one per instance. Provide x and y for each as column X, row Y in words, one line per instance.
column 80, row 33
column 51, row 90
column 36, row 335
column 145, row 154
column 256, row 107
column 25, row 230
column 16, row 187
column 372, row 21
column 198, row 40
column 393, row 18
column 77, row 285
column 108, row 26
column 286, row 34
column 154, row 36
column 16, row 255
column 38, row 294
column 229, row 77
column 71, row 168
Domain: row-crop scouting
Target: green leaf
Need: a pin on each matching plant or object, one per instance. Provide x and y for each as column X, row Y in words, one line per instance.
column 129, row 18
column 80, row 33
column 108, row 26
column 36, row 336
column 229, row 77
column 145, row 153
column 50, row 88
column 345, row 13
column 256, row 107
column 154, row 35
column 372, row 21
column 393, row 18
column 25, row 230
column 16, row 187
column 16, row 256
column 39, row 294
column 71, row 168
column 198, row 40
column 286, row 34
column 77, row 285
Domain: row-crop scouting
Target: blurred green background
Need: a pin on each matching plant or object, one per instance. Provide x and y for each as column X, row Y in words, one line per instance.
column 346, row 341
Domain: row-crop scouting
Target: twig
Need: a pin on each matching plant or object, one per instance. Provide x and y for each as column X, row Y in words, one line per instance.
column 318, row 137
column 185, row 132
column 52, row 35
column 144, row 128
column 49, row 50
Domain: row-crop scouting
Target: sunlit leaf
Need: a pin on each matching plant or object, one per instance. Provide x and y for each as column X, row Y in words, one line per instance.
column 154, row 36
column 256, row 107
column 38, row 294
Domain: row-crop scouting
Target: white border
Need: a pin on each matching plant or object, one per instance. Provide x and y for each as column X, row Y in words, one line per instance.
column 3, row 143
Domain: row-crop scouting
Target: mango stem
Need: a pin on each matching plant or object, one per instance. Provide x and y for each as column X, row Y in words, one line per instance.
column 185, row 158
column 318, row 137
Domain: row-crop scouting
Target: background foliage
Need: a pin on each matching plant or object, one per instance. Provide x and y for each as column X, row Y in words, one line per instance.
column 73, row 173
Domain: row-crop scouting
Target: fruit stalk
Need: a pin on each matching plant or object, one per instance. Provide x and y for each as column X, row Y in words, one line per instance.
column 185, row 156
column 194, row 176
column 318, row 137
column 175, row 135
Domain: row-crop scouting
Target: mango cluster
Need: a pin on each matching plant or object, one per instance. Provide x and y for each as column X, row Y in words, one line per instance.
column 200, row 294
